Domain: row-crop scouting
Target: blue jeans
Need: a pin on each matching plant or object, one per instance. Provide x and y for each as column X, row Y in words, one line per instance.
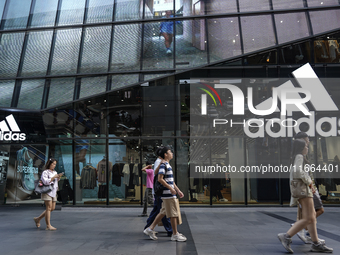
column 155, row 211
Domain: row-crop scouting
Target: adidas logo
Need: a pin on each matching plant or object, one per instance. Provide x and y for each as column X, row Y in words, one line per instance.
column 9, row 130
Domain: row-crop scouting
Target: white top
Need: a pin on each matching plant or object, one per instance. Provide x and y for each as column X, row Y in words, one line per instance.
column 46, row 179
column 155, row 165
column 297, row 172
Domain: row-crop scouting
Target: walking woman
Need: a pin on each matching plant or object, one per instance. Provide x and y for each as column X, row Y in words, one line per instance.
column 48, row 176
column 300, row 150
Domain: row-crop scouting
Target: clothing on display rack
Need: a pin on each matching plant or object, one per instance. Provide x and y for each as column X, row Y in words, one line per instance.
column 136, row 170
column 117, row 170
column 102, row 191
column 65, row 193
column 101, row 170
column 126, row 172
column 88, row 177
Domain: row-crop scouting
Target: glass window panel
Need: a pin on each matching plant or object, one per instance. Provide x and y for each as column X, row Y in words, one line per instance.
column 36, row 64
column 257, row 32
column 72, row 12
column 2, row 5
column 100, row 11
column 31, row 93
column 44, row 13
column 11, row 46
column 6, row 88
column 156, row 54
column 92, row 85
column 191, row 43
column 326, row 51
column 253, row 5
column 285, row 23
column 128, row 10
column 66, row 51
column 287, row 4
column 215, row 7
column 224, row 38
column 324, row 20
column 126, row 50
column 17, row 14
column 121, row 80
column 96, row 49
column 153, row 76
column 149, row 10
column 61, row 91
column 296, row 54
column 312, row 3
column 266, row 58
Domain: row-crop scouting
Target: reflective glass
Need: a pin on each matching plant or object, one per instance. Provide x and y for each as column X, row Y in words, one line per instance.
column 96, row 50
column 100, row 11
column 149, row 14
column 11, row 46
column 153, row 76
column 257, row 32
column 223, row 38
column 126, row 50
column 61, row 91
column 287, row 4
column 7, row 88
column 262, row 59
column 31, row 93
column 253, row 5
column 44, row 13
column 327, row 51
column 159, row 107
column 216, row 7
column 36, row 64
column 128, row 10
column 323, row 21
column 122, row 80
column 16, row 15
column 191, row 43
column 158, row 46
column 125, row 178
column 285, row 23
column 124, row 115
column 296, row 54
column 72, row 12
column 2, row 5
column 92, row 86
column 58, row 122
column 312, row 3
column 66, row 51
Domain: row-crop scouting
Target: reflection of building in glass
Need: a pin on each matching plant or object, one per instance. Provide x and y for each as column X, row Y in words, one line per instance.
column 99, row 75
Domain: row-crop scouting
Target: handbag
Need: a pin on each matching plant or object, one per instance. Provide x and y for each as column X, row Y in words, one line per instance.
column 298, row 189
column 42, row 189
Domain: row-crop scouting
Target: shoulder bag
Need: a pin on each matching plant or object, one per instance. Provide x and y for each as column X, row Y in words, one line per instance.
column 157, row 186
column 43, row 188
column 298, row 188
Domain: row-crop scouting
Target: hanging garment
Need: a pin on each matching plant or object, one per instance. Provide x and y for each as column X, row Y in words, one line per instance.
column 88, row 177
column 101, row 170
column 126, row 172
column 102, row 191
column 117, row 174
column 136, row 174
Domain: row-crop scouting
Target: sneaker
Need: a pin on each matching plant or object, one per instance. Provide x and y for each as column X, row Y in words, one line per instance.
column 178, row 237
column 285, row 242
column 302, row 235
column 320, row 247
column 223, row 200
column 309, row 240
column 168, row 51
column 150, row 233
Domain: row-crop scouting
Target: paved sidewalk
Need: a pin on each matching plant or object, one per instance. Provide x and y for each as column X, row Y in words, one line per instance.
column 243, row 230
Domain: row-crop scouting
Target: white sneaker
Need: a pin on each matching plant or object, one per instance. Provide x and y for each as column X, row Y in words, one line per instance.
column 302, row 235
column 168, row 51
column 223, row 200
column 178, row 237
column 150, row 233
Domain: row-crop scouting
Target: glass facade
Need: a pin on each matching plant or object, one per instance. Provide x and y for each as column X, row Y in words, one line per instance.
column 111, row 82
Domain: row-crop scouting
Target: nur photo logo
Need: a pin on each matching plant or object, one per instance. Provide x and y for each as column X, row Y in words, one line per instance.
column 305, row 94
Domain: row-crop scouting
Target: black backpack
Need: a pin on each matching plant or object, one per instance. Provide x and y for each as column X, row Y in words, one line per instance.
column 157, row 186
